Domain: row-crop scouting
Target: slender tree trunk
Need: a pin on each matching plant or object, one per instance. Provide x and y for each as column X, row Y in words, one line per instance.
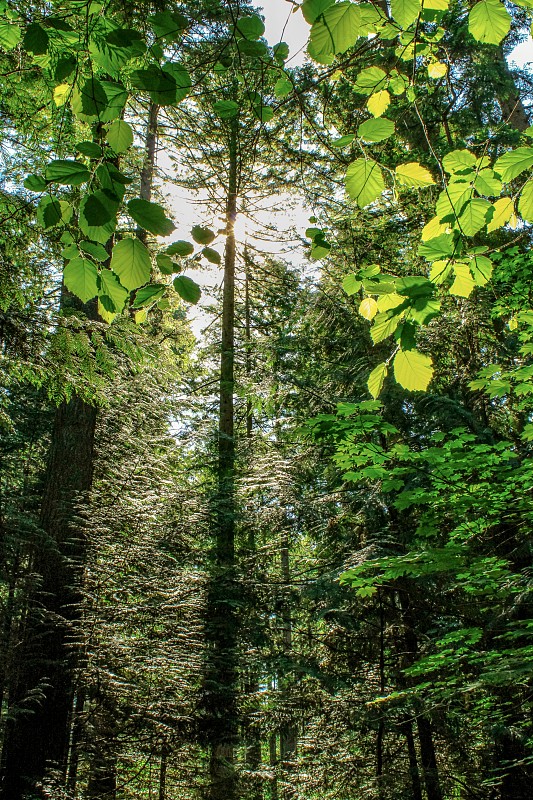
column 223, row 593
column 273, row 757
column 416, row 786
column 163, row 775
column 428, row 758
column 148, row 168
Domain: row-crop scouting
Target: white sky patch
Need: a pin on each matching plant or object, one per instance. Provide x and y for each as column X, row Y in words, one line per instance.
column 285, row 23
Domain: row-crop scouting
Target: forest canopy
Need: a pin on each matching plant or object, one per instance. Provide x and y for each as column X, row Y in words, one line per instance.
column 288, row 558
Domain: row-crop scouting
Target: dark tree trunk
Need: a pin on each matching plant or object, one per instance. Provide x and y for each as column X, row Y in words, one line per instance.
column 416, row 786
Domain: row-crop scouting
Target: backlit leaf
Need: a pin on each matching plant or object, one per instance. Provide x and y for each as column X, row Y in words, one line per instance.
column 80, row 276
column 335, row 31
column 130, row 260
column 376, row 379
column 511, row 164
column 405, row 11
column 376, row 130
column 378, row 103
column 503, row 210
column 368, row 308
column 187, row 289
column 151, row 217
column 70, row 173
column 413, row 174
column 364, row 181
column 489, row 21
column 120, row 136
column 413, row 370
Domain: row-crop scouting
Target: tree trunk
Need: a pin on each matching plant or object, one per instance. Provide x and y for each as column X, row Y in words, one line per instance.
column 416, row 786
column 509, row 100
column 223, row 592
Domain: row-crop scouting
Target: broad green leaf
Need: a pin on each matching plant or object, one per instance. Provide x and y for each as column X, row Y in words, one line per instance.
column 151, row 217
column 52, row 212
column 181, row 248
column 187, row 289
column 35, row 183
column 112, row 295
column 165, row 264
column 452, row 201
column 413, row 370
column 95, row 250
column 439, row 271
column 440, row 247
column 413, row 174
column 263, row 113
column 481, row 268
column 405, row 11
column 251, row 27
column 70, row 173
column 384, row 325
column 120, row 136
column 62, row 94
column 344, row 141
column 525, row 204
column 202, row 235
column 130, row 260
column 90, row 149
column 503, row 211
column 158, row 82
column 376, row 379
column 376, row 130
column 213, row 256
column 335, row 31
column 398, row 83
column 511, row 164
column 116, row 100
column 80, row 276
column 98, row 216
column 226, row 109
column 89, row 101
column 281, row 52
column 364, row 181
column 312, row 9
column 463, row 283
column 9, row 35
column 168, row 25
column 487, row 183
column 65, row 67
column 437, row 69
column 370, row 79
column 36, row 39
column 368, row 308
column 489, row 22
column 458, row 160
column 474, row 216
column 282, row 88
column 351, row 284
column 148, row 294
column 434, row 228
column 378, row 103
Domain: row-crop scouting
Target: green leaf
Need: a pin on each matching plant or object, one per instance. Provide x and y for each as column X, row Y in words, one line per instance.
column 282, row 88
column 158, row 82
column 112, row 294
column 95, row 250
column 413, row 174
column 370, row 79
column 378, row 103
column 251, row 27
column 90, row 149
column 187, row 289
column 413, row 370
column 202, row 235
column 212, row 255
column 335, row 31
column 263, row 113
column 525, row 204
column 116, row 100
column 343, row 141
column 511, row 164
column 181, row 248
column 439, row 247
column 70, row 173
column 405, row 11
column 464, row 282
column 151, row 217
column 351, row 284
column 376, row 130
column 384, row 325
column 120, row 136
column 52, row 212
column 368, row 308
column 35, row 183
column 168, row 25
column 130, row 260
column 481, row 268
column 148, row 294
column 36, row 39
column 226, row 109
column 165, row 264
column 98, row 216
column 312, row 9
column 503, row 211
column 9, row 35
column 459, row 161
column 364, row 181
column 474, row 216
column 489, row 22
column 281, row 52
column 89, row 101
column 80, row 276
column 485, row 182
column 376, row 379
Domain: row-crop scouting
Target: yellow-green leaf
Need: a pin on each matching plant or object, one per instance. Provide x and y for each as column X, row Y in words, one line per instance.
column 464, row 282
column 503, row 210
column 413, row 370
column 437, row 69
column 378, row 103
column 525, row 204
column 368, row 308
column 413, row 174
column 405, row 11
column 489, row 22
column 376, row 379
column 376, row 130
column 61, row 94
column 364, row 181
column 511, row 164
